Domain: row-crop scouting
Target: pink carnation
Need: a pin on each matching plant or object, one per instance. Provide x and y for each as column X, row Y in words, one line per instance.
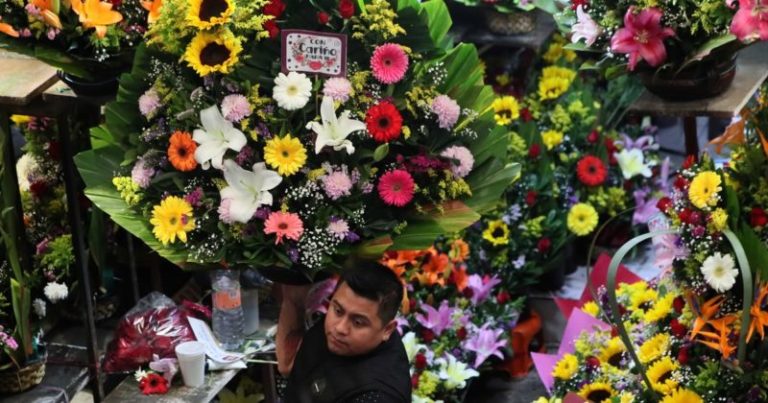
column 396, row 187
column 462, row 160
column 235, row 107
column 447, row 111
column 148, row 103
column 224, row 212
column 142, row 173
column 337, row 184
column 389, row 63
column 338, row 88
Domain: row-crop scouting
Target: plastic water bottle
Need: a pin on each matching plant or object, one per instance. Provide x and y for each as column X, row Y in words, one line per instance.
column 227, row 309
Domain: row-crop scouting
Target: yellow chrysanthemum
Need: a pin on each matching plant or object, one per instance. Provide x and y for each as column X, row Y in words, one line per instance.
column 682, row 396
column 591, row 308
column 558, row 72
column 660, row 375
column 704, row 189
column 172, row 218
column 582, row 219
column 553, row 53
column 654, row 348
column 613, row 352
column 719, row 219
column 285, row 154
column 661, row 309
column 551, row 138
column 566, row 367
column 497, row 233
column 506, row 110
column 597, row 392
column 204, row 14
column 211, row 52
column 626, row 397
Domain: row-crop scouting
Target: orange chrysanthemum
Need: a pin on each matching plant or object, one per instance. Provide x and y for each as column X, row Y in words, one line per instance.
column 181, row 151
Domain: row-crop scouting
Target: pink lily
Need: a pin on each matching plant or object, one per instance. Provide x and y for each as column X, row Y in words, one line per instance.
column 436, row 320
column 751, row 21
column 485, row 343
column 586, row 28
column 642, row 37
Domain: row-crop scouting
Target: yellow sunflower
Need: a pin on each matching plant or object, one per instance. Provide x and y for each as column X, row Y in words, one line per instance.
column 642, row 299
column 704, row 189
column 552, row 138
column 497, row 233
column 552, row 88
column 558, row 72
column 286, row 154
column 597, row 392
column 204, row 14
column 613, row 352
column 654, row 348
column 682, row 396
column 660, row 375
column 506, row 110
column 172, row 218
column 211, row 52
column 661, row 309
column 566, row 367
column 582, row 219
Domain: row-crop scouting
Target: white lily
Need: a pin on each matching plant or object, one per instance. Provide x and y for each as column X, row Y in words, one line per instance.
column 248, row 190
column 216, row 136
column 411, row 346
column 334, row 131
column 632, row 163
column 454, row 372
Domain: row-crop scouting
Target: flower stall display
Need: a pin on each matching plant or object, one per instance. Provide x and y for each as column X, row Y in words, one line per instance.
column 224, row 149
column 666, row 42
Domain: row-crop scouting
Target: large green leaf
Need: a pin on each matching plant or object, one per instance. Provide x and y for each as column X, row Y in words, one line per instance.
column 489, row 182
column 21, row 301
column 419, row 234
column 755, row 249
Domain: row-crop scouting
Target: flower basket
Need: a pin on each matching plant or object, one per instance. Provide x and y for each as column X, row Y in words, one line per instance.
column 13, row 380
column 707, row 79
column 512, row 23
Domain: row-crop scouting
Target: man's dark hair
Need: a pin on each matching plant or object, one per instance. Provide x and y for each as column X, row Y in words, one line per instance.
column 376, row 282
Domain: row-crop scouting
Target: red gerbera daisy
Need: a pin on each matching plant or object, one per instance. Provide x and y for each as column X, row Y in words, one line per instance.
column 591, row 171
column 153, row 384
column 383, row 121
column 396, row 187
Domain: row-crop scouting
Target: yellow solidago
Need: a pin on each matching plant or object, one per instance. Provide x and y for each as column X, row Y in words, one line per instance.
column 566, row 368
column 428, row 382
column 378, row 21
column 577, row 108
column 560, row 118
column 128, row 189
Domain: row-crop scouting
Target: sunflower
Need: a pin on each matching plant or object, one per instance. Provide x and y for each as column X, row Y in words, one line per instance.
column 172, row 218
column 181, row 151
column 553, row 87
column 566, row 367
column 506, row 110
column 286, row 154
column 704, row 189
column 654, row 348
column 642, row 299
column 613, row 352
column 497, row 233
column 582, row 219
column 204, row 14
column 211, row 52
column 661, row 309
column 597, row 392
column 660, row 375
column 682, row 396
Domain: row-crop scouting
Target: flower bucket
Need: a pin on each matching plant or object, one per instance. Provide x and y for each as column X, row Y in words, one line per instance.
column 522, row 337
column 13, row 380
column 518, row 22
column 105, row 86
column 706, row 79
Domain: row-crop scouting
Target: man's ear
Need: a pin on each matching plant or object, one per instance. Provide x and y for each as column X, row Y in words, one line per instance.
column 388, row 329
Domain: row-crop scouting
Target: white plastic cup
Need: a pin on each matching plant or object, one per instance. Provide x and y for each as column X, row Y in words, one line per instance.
column 191, row 356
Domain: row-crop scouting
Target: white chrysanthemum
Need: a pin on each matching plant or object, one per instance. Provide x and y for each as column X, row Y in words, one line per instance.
column 26, row 167
column 56, row 292
column 719, row 271
column 292, row 91
column 39, row 306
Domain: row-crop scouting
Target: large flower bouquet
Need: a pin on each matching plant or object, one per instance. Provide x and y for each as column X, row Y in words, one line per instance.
column 213, row 155
column 86, row 38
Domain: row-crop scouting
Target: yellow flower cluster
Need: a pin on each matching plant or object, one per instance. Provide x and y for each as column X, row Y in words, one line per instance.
column 378, row 19
column 129, row 190
column 555, row 81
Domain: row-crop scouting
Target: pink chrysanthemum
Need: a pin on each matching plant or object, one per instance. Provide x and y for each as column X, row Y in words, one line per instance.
column 338, row 88
column 284, row 225
column 337, row 184
column 224, row 212
column 447, row 111
column 396, row 187
column 462, row 160
column 142, row 173
column 149, row 102
column 389, row 63
column 339, row 228
column 235, row 107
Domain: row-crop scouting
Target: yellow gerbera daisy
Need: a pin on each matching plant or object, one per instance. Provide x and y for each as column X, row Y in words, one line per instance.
column 582, row 219
column 204, row 14
column 682, row 396
column 566, row 367
column 660, row 375
column 613, row 352
column 661, row 309
column 654, row 348
column 597, row 392
column 211, row 52
column 506, row 110
column 497, row 233
column 172, row 218
column 286, row 154
column 704, row 189
column 552, row 138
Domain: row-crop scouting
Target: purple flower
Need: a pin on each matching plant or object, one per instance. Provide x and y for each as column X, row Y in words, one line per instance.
column 645, row 209
column 245, row 154
column 436, row 320
column 352, row 237
column 194, row 197
column 224, row 211
column 485, row 343
column 262, row 213
column 42, row 246
column 481, row 287
column 235, row 107
column 337, row 184
column 643, row 143
column 293, row 254
column 338, row 228
column 447, row 111
column 149, row 102
column 462, row 160
column 142, row 173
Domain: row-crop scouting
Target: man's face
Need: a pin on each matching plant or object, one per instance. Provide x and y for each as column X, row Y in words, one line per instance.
column 352, row 325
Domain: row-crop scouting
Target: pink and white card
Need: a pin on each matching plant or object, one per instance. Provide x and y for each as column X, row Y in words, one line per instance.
column 313, row 52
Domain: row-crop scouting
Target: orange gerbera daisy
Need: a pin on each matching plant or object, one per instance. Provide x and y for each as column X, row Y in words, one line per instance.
column 459, row 251
column 181, row 151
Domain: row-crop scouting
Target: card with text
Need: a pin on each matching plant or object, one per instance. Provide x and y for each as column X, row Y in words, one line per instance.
column 313, row 52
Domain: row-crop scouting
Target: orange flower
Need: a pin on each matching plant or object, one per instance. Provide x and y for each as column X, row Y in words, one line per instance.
column 96, row 14
column 759, row 317
column 8, row 30
column 720, row 341
column 460, row 277
column 400, row 261
column 49, row 11
column 459, row 251
column 153, row 7
column 181, row 151
column 708, row 310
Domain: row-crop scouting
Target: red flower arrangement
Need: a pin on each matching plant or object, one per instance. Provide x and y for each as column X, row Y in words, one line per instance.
column 591, row 171
column 384, row 122
column 153, row 384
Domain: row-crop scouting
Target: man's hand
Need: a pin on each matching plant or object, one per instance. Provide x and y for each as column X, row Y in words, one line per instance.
column 290, row 325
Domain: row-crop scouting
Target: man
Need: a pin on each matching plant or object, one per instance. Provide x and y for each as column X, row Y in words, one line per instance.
column 355, row 354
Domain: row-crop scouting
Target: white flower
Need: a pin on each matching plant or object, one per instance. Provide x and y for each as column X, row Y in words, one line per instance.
column 292, row 91
column 586, row 28
column 39, row 306
column 454, row 372
column 247, row 190
column 333, row 132
column 140, row 374
column 719, row 271
column 216, row 136
column 56, row 291
column 632, row 163
column 411, row 346
column 26, row 166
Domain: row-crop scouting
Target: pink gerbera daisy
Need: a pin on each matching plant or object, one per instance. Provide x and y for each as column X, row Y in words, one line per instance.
column 282, row 224
column 396, row 187
column 389, row 63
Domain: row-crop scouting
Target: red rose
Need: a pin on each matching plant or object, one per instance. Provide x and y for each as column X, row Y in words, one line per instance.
column 322, row 17
column 576, row 3
column 680, row 183
column 685, row 216
column 695, row 218
column 678, row 304
column 689, row 161
column 757, row 217
column 427, row 335
column 346, row 9
column 593, row 137
column 682, row 356
column 502, row 298
column 678, row 330
column 526, row 115
column 420, row 362
column 461, row 334
column 534, row 151
column 592, row 362
column 412, row 304
column 38, row 188
column 530, row 197
column 468, row 293
column 543, row 245
column 415, row 380
column 271, row 27
column 274, row 8
column 664, row 204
